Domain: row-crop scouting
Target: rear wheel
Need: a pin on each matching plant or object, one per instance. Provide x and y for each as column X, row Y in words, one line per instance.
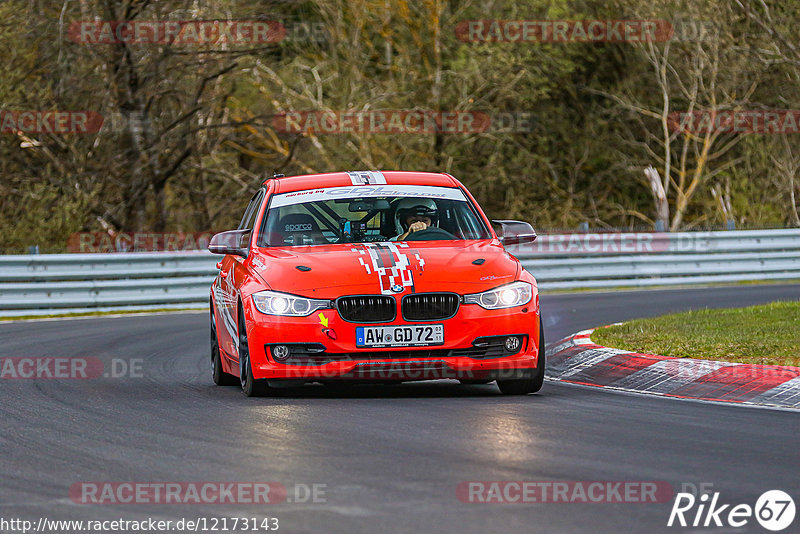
column 250, row 386
column 220, row 377
column 533, row 379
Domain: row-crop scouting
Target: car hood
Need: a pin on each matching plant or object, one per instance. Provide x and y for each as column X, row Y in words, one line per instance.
column 329, row 271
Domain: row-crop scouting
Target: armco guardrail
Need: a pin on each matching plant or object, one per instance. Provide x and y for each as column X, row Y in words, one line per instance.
column 61, row 283
column 76, row 283
column 575, row 261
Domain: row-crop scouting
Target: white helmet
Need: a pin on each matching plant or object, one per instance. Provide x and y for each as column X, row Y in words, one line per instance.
column 415, row 206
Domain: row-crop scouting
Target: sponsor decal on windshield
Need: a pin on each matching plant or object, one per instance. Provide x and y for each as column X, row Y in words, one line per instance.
column 367, row 191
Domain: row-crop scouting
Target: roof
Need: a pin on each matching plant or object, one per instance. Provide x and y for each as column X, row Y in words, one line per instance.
column 339, row 179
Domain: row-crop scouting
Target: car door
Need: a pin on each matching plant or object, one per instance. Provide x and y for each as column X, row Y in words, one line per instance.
column 230, row 278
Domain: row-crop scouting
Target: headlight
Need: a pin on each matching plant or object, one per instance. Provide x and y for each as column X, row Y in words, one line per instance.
column 507, row 296
column 273, row 303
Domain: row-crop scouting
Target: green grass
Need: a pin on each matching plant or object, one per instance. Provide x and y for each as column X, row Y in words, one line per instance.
column 99, row 314
column 767, row 334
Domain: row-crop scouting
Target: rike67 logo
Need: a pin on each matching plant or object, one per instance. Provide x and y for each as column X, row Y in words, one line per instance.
column 774, row 510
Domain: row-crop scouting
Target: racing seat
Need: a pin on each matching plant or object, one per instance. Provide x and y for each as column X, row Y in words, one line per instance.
column 296, row 229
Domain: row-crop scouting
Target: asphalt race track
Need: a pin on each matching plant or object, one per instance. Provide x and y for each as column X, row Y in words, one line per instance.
column 390, row 457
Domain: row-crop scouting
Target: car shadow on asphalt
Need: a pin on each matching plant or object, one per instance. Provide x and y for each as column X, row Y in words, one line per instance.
column 432, row 389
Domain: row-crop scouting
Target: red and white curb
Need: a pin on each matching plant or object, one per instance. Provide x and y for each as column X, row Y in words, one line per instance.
column 576, row 359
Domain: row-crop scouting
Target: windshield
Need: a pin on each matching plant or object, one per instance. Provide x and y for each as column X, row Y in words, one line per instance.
column 364, row 214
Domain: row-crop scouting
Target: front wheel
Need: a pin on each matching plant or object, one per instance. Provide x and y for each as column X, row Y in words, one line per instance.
column 250, row 386
column 533, row 379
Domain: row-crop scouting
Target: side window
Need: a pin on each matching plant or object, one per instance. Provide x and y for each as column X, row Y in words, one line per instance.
column 252, row 211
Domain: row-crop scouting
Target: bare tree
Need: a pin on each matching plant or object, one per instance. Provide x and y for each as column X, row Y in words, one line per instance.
column 786, row 160
column 694, row 79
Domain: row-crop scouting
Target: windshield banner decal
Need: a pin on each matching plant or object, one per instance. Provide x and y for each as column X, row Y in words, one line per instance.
column 367, row 191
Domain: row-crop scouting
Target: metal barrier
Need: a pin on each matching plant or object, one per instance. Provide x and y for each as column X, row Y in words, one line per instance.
column 77, row 283
column 578, row 261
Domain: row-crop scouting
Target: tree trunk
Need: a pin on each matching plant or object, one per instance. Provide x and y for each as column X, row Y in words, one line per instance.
column 659, row 198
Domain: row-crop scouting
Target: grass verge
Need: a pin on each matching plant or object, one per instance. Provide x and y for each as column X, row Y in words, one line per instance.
column 768, row 334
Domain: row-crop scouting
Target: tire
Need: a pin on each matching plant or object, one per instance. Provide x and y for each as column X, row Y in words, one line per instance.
column 220, row 377
column 533, row 379
column 250, row 386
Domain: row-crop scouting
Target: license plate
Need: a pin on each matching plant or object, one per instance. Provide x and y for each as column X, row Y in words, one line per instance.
column 418, row 335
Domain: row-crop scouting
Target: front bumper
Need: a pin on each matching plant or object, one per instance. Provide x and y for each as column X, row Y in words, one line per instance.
column 342, row 360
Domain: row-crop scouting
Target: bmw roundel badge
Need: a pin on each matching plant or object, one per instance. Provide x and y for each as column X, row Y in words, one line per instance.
column 397, row 288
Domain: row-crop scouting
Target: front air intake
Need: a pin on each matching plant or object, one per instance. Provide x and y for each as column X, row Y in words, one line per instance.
column 367, row 308
column 430, row 306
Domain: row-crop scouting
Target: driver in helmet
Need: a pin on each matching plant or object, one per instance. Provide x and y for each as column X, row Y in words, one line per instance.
column 414, row 215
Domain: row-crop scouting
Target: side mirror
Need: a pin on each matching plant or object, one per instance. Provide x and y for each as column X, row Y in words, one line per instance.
column 516, row 232
column 236, row 242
